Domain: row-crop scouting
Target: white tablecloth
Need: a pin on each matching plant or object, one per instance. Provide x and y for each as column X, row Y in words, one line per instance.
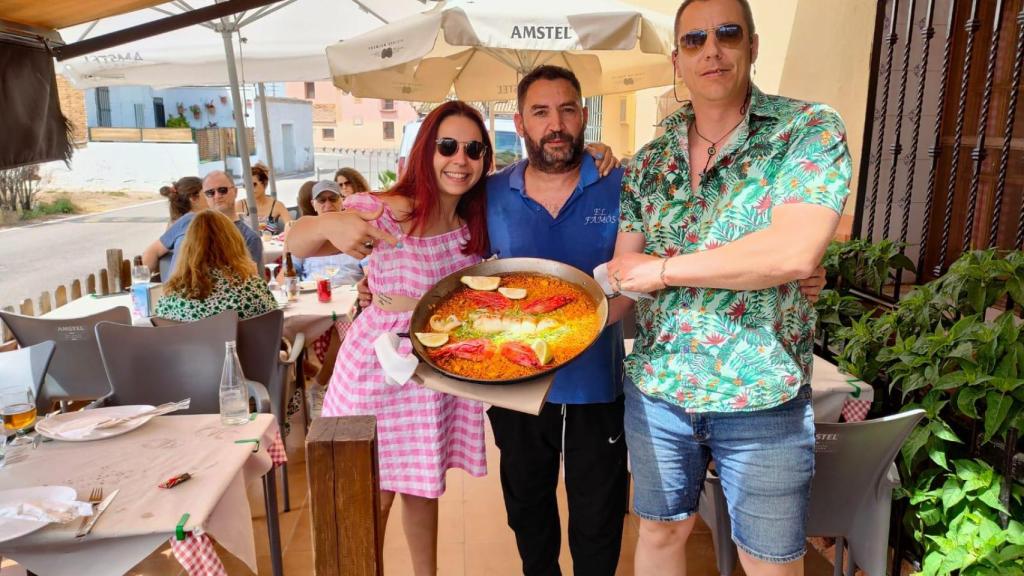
column 92, row 304
column 143, row 516
column 272, row 250
column 313, row 318
column 307, row 315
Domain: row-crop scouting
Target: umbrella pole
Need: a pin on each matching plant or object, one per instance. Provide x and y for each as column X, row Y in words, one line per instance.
column 490, row 119
column 266, row 138
column 240, row 136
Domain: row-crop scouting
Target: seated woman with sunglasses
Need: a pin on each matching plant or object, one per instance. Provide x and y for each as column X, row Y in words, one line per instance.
column 272, row 214
column 216, row 274
column 183, row 197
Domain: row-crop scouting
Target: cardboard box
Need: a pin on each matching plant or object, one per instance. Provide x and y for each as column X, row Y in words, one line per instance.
column 528, row 397
column 144, row 297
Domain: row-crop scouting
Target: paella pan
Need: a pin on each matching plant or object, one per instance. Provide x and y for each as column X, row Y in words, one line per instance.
column 510, row 320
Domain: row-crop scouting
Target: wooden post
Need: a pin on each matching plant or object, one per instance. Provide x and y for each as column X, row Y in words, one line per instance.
column 222, row 147
column 5, row 332
column 76, row 289
column 114, row 257
column 341, row 464
column 44, row 303
column 26, row 307
column 90, row 284
column 102, row 285
column 126, row 275
column 60, row 297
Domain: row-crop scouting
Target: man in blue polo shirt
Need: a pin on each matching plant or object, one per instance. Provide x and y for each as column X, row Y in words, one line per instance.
column 555, row 205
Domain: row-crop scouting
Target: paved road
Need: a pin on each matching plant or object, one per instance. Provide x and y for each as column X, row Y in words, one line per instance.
column 43, row 256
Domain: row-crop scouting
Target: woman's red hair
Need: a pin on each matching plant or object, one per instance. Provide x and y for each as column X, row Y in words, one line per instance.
column 419, row 184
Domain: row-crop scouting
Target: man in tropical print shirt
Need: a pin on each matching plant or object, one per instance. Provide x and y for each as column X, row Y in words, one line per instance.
column 719, row 217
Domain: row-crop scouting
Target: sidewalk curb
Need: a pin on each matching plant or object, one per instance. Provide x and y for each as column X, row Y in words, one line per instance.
column 79, row 216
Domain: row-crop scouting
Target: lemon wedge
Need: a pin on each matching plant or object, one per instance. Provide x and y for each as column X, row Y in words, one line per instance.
column 540, row 348
column 483, row 283
column 513, row 293
column 438, row 324
column 431, row 339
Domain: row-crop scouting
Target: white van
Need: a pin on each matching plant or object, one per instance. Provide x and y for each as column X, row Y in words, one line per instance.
column 510, row 147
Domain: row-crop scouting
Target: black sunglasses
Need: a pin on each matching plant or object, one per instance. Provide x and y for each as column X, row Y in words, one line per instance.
column 728, row 35
column 324, row 198
column 449, row 146
column 219, row 191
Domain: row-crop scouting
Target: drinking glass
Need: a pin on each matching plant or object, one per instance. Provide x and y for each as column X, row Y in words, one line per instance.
column 19, row 413
column 272, row 267
column 329, row 272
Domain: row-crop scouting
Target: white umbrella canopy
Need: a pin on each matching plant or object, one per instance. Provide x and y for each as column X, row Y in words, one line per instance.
column 283, row 43
column 481, row 48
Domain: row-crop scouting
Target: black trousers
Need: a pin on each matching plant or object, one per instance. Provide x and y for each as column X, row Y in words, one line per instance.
column 594, row 452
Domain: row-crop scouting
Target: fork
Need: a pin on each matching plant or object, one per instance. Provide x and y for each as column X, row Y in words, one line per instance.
column 95, row 497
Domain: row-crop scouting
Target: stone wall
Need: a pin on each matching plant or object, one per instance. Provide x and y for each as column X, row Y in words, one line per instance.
column 72, row 104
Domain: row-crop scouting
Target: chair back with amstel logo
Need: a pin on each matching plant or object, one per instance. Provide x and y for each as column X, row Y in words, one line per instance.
column 76, row 371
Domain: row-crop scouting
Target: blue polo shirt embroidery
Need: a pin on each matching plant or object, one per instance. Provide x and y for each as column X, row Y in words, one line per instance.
column 582, row 235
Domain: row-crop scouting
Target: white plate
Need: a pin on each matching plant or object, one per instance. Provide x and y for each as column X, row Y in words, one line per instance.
column 51, row 427
column 11, row 528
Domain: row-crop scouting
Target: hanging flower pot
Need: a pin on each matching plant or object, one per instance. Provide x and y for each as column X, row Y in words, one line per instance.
column 196, row 111
column 223, row 99
column 210, row 108
column 181, row 109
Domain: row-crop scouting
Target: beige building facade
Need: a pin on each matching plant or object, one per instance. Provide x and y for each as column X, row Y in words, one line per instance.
column 342, row 121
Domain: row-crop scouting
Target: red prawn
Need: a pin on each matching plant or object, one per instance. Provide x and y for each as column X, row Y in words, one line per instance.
column 476, row 350
column 521, row 354
column 548, row 303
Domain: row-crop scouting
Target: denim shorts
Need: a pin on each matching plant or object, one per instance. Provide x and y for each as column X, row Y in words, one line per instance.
column 765, row 460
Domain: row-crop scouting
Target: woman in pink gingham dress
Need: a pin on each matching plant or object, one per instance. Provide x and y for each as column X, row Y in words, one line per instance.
column 438, row 211
column 420, row 432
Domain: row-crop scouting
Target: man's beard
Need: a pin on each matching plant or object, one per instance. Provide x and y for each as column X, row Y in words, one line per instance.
column 555, row 162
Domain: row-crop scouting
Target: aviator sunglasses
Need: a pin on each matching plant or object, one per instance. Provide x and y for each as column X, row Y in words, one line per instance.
column 728, row 35
column 449, row 146
column 219, row 191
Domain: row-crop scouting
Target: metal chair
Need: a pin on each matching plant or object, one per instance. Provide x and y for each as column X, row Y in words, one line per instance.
column 164, row 266
column 25, row 368
column 851, row 493
column 157, row 365
column 76, row 371
column 259, row 350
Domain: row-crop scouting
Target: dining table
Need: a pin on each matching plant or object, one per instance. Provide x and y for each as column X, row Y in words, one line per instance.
column 306, row 314
column 221, row 460
column 273, row 250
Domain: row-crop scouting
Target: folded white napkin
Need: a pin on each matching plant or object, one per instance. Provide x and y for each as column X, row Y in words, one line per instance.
column 46, row 510
column 397, row 368
column 601, row 275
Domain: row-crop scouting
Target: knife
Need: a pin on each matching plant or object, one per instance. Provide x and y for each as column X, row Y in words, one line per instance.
column 96, row 514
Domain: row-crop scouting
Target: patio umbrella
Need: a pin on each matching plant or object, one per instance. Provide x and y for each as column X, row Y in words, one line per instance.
column 482, row 49
column 280, row 42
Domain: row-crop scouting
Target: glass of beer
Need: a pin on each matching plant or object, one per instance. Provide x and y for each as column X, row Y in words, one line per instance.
column 19, row 413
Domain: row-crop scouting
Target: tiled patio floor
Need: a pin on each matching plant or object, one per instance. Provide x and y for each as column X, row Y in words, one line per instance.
column 473, row 539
